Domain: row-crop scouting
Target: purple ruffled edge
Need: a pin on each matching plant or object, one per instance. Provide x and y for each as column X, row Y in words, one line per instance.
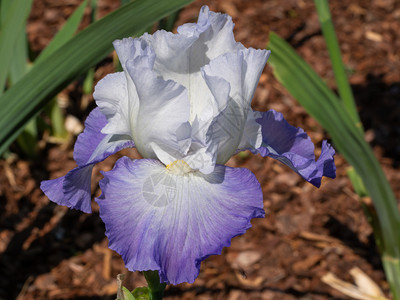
column 140, row 236
column 293, row 147
column 74, row 189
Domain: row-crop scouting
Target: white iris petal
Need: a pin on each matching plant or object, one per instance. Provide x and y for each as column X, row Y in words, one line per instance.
column 185, row 96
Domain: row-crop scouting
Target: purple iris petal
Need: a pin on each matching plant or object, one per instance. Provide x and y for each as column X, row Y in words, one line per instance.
column 88, row 140
column 169, row 222
column 293, row 147
column 91, row 147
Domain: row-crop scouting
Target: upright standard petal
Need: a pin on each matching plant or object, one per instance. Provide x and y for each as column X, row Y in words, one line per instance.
column 163, row 220
column 180, row 57
column 293, row 147
column 232, row 79
column 129, row 49
column 91, row 147
column 161, row 129
column 214, row 31
column 111, row 96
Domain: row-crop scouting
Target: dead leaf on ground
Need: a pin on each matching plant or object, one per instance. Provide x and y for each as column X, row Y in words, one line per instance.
column 364, row 289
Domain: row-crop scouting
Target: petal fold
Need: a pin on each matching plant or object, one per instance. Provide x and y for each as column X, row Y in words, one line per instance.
column 214, row 31
column 161, row 129
column 170, row 223
column 92, row 146
column 232, row 79
column 129, row 49
column 181, row 56
column 293, row 147
column 111, row 96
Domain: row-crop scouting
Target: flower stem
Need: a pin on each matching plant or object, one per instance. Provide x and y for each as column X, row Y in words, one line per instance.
column 156, row 288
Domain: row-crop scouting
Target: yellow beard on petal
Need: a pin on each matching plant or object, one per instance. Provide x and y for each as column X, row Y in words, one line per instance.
column 179, row 167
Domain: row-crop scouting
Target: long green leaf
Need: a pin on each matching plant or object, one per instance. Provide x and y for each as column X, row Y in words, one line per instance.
column 66, row 32
column 25, row 99
column 357, row 183
column 123, row 2
column 12, row 24
column 19, row 63
column 94, row 10
column 332, row 44
column 308, row 88
column 27, row 140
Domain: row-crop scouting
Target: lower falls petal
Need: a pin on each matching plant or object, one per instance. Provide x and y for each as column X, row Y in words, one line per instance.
column 158, row 220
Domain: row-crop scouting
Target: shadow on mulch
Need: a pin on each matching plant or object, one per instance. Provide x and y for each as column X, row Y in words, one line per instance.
column 342, row 232
column 29, row 253
column 379, row 108
column 296, row 43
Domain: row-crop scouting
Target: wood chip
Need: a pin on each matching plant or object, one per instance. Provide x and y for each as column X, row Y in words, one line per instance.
column 249, row 282
column 307, row 263
column 319, row 237
column 247, row 258
column 373, row 36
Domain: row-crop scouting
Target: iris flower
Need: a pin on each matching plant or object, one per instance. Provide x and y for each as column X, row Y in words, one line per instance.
column 183, row 100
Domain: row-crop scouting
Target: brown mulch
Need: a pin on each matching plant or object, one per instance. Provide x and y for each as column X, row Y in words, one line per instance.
column 50, row 252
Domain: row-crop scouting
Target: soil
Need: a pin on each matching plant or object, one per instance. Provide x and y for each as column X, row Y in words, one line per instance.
column 51, row 252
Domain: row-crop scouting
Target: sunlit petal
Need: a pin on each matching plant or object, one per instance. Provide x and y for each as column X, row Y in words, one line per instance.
column 165, row 221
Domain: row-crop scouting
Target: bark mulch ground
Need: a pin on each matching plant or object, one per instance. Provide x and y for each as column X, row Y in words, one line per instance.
column 50, row 252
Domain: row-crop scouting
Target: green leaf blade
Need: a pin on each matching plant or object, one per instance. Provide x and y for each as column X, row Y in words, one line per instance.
column 12, row 24
column 19, row 64
column 332, row 44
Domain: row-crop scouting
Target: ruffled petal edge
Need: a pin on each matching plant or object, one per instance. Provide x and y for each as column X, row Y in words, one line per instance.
column 173, row 231
column 293, row 147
